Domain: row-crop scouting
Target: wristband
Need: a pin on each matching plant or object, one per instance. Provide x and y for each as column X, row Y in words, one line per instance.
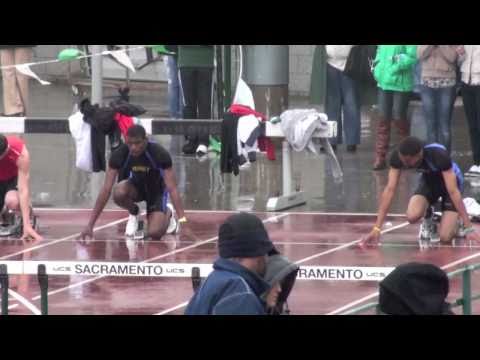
column 377, row 229
column 183, row 220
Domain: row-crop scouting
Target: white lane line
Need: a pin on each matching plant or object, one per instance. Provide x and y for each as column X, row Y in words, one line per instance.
column 46, row 209
column 274, row 218
column 375, row 294
column 61, row 240
column 13, row 306
column 179, row 306
column 40, row 209
column 316, row 256
column 341, row 247
column 24, row 302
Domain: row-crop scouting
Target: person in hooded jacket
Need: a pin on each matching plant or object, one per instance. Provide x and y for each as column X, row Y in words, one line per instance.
column 415, row 289
column 280, row 275
column 236, row 285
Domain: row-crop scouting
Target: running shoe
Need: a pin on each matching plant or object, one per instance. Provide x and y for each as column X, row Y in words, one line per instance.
column 132, row 226
column 174, row 226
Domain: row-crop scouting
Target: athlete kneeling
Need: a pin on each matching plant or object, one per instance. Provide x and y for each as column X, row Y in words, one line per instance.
column 145, row 173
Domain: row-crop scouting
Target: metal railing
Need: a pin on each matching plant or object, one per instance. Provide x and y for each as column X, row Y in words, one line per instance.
column 465, row 301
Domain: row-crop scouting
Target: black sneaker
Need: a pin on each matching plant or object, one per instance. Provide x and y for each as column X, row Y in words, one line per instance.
column 351, row 148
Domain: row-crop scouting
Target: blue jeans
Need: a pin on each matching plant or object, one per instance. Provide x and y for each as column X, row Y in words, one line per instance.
column 342, row 94
column 437, row 107
column 471, row 102
column 175, row 103
column 393, row 105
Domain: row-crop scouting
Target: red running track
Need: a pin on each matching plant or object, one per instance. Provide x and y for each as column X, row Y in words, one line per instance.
column 309, row 239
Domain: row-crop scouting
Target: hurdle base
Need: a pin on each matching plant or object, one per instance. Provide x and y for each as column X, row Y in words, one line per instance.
column 286, row 201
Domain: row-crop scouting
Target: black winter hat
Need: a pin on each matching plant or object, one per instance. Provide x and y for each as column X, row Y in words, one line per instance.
column 415, row 289
column 244, row 236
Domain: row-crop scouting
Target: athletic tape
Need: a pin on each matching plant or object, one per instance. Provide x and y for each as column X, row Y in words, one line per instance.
column 183, row 270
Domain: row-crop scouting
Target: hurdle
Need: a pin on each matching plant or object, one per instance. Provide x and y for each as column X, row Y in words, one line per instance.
column 166, row 126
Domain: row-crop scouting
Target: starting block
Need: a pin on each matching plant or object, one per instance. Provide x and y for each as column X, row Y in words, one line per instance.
column 12, row 225
column 140, row 233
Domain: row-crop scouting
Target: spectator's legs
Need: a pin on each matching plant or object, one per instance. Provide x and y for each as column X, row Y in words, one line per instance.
column 205, row 93
column 12, row 101
column 400, row 108
column 188, row 77
column 22, row 56
column 175, row 103
column 382, row 142
column 351, row 110
column 445, row 100
column 333, row 100
column 428, row 104
column 471, row 102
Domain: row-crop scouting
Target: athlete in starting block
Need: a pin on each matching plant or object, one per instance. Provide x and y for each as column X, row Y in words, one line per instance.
column 441, row 179
column 15, row 172
column 145, row 173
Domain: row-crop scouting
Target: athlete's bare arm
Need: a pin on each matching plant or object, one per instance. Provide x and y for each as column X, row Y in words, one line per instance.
column 23, row 164
column 171, row 185
column 384, row 206
column 102, row 200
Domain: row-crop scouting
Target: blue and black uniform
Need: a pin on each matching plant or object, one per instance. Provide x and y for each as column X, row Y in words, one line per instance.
column 145, row 173
column 432, row 185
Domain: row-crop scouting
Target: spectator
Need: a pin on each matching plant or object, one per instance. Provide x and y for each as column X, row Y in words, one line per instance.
column 438, row 80
column 196, row 73
column 236, row 285
column 342, row 104
column 15, row 84
column 394, row 72
column 281, row 275
column 470, row 70
column 415, row 289
column 175, row 96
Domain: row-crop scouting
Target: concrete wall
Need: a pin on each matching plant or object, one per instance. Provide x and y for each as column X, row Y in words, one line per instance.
column 301, row 57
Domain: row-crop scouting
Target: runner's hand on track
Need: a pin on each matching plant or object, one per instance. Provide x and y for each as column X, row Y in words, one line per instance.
column 87, row 232
column 473, row 236
column 30, row 234
column 373, row 238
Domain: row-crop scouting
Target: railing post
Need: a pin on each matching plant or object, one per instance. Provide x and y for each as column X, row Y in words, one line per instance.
column 4, row 284
column 43, row 282
column 467, row 291
column 196, row 278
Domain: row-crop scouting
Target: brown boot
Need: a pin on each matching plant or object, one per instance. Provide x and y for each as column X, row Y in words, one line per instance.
column 403, row 128
column 382, row 143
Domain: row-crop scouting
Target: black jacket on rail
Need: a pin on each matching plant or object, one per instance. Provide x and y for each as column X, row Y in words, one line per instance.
column 229, row 159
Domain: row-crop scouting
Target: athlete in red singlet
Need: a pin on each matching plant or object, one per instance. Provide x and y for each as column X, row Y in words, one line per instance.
column 15, row 167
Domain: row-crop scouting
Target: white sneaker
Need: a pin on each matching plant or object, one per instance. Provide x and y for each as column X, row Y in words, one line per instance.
column 174, row 225
column 424, row 233
column 472, row 206
column 203, row 150
column 434, row 236
column 132, row 226
column 474, row 170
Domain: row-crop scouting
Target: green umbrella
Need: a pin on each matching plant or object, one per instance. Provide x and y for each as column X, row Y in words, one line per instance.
column 160, row 49
column 70, row 54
